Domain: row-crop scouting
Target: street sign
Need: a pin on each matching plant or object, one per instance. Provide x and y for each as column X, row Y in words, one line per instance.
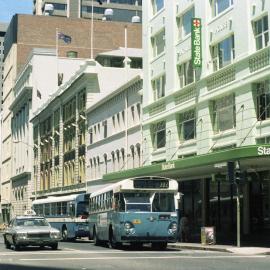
column 196, row 42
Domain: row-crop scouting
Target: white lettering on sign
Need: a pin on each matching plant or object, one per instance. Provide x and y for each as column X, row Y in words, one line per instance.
column 263, row 151
column 167, row 166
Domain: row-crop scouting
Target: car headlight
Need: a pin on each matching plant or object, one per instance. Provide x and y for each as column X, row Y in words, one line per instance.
column 21, row 235
column 55, row 234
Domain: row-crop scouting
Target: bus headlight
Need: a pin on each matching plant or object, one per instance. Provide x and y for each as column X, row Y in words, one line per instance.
column 172, row 228
column 129, row 227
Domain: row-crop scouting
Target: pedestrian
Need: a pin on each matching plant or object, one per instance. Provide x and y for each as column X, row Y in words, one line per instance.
column 184, row 228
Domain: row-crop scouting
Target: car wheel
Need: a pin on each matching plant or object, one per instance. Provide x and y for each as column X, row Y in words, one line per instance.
column 54, row 246
column 7, row 244
column 17, row 247
column 64, row 234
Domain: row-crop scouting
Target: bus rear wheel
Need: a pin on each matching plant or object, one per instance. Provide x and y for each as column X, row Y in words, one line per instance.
column 95, row 238
column 159, row 245
column 64, row 234
column 112, row 241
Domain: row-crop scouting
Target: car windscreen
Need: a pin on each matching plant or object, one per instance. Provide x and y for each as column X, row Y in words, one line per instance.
column 31, row 222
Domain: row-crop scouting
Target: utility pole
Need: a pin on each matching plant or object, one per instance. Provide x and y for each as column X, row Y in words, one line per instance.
column 235, row 175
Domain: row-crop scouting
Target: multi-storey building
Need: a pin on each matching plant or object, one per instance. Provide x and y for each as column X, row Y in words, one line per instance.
column 195, row 120
column 60, row 128
column 19, row 42
column 3, row 29
column 115, row 10
column 33, row 87
column 114, row 128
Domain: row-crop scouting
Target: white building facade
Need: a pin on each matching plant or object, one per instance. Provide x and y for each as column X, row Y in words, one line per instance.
column 33, row 87
column 114, row 128
column 60, row 128
column 195, row 120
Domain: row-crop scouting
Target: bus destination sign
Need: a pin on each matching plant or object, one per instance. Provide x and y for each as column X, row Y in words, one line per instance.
column 151, row 184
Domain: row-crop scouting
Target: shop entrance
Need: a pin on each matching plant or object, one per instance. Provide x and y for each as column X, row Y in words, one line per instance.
column 260, row 210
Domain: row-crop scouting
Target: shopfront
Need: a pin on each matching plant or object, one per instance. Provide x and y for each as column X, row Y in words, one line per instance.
column 209, row 198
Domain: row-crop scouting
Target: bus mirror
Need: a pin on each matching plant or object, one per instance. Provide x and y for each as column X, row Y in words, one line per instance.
column 179, row 195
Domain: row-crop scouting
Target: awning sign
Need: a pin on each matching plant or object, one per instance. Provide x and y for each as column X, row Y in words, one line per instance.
column 196, row 42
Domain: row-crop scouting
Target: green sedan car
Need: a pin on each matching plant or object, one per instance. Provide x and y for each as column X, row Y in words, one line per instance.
column 31, row 231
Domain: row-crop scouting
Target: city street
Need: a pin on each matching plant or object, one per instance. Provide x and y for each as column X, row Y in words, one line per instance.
column 84, row 255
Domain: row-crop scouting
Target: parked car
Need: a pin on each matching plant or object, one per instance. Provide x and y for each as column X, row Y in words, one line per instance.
column 31, row 231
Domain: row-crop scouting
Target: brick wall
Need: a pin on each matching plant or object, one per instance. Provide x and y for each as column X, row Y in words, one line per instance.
column 40, row 31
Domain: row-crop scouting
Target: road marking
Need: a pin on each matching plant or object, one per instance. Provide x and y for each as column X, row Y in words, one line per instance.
column 147, row 257
column 48, row 252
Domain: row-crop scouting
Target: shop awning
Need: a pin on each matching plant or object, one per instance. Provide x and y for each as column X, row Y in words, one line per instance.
column 253, row 157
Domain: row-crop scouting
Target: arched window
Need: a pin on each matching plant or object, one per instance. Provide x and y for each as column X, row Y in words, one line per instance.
column 118, row 159
column 132, row 156
column 105, row 163
column 122, row 158
column 138, row 152
column 113, row 161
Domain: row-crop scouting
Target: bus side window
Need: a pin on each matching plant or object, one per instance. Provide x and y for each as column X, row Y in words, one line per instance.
column 64, row 208
column 71, row 209
column 119, row 202
column 53, row 209
column 59, row 209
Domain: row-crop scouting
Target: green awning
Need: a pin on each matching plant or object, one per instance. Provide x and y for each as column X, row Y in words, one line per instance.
column 217, row 159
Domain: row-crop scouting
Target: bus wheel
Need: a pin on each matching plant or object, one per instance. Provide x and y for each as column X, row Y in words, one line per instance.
column 159, row 245
column 64, row 234
column 136, row 245
column 112, row 241
column 95, row 238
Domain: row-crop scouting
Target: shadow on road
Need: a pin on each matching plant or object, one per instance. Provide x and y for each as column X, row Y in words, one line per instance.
column 27, row 267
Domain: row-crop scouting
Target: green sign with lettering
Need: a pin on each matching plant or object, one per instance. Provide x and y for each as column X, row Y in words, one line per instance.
column 196, row 42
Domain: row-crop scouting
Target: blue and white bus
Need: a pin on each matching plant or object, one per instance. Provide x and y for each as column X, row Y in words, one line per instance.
column 69, row 214
column 136, row 211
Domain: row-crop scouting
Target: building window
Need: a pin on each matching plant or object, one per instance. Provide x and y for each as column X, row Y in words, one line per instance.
column 219, row 6
column 158, row 86
column 157, row 5
column 105, row 129
column 224, row 114
column 158, row 43
column 185, row 23
column 91, row 136
column 263, row 100
column 261, row 32
column 186, row 74
column 223, row 53
column 159, row 135
column 187, row 125
column 263, row 140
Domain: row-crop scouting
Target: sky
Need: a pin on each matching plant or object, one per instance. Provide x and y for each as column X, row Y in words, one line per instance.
column 10, row 7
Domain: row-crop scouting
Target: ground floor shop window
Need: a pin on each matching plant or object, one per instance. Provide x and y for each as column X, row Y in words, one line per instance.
column 191, row 205
column 222, row 209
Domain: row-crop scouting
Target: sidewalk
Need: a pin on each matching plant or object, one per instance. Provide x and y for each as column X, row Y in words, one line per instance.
column 223, row 248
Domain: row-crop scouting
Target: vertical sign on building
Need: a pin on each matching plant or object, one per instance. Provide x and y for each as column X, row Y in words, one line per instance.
column 196, row 42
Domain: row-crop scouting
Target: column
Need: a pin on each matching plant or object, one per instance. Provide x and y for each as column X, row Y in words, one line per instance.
column 61, row 150
column 205, row 201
